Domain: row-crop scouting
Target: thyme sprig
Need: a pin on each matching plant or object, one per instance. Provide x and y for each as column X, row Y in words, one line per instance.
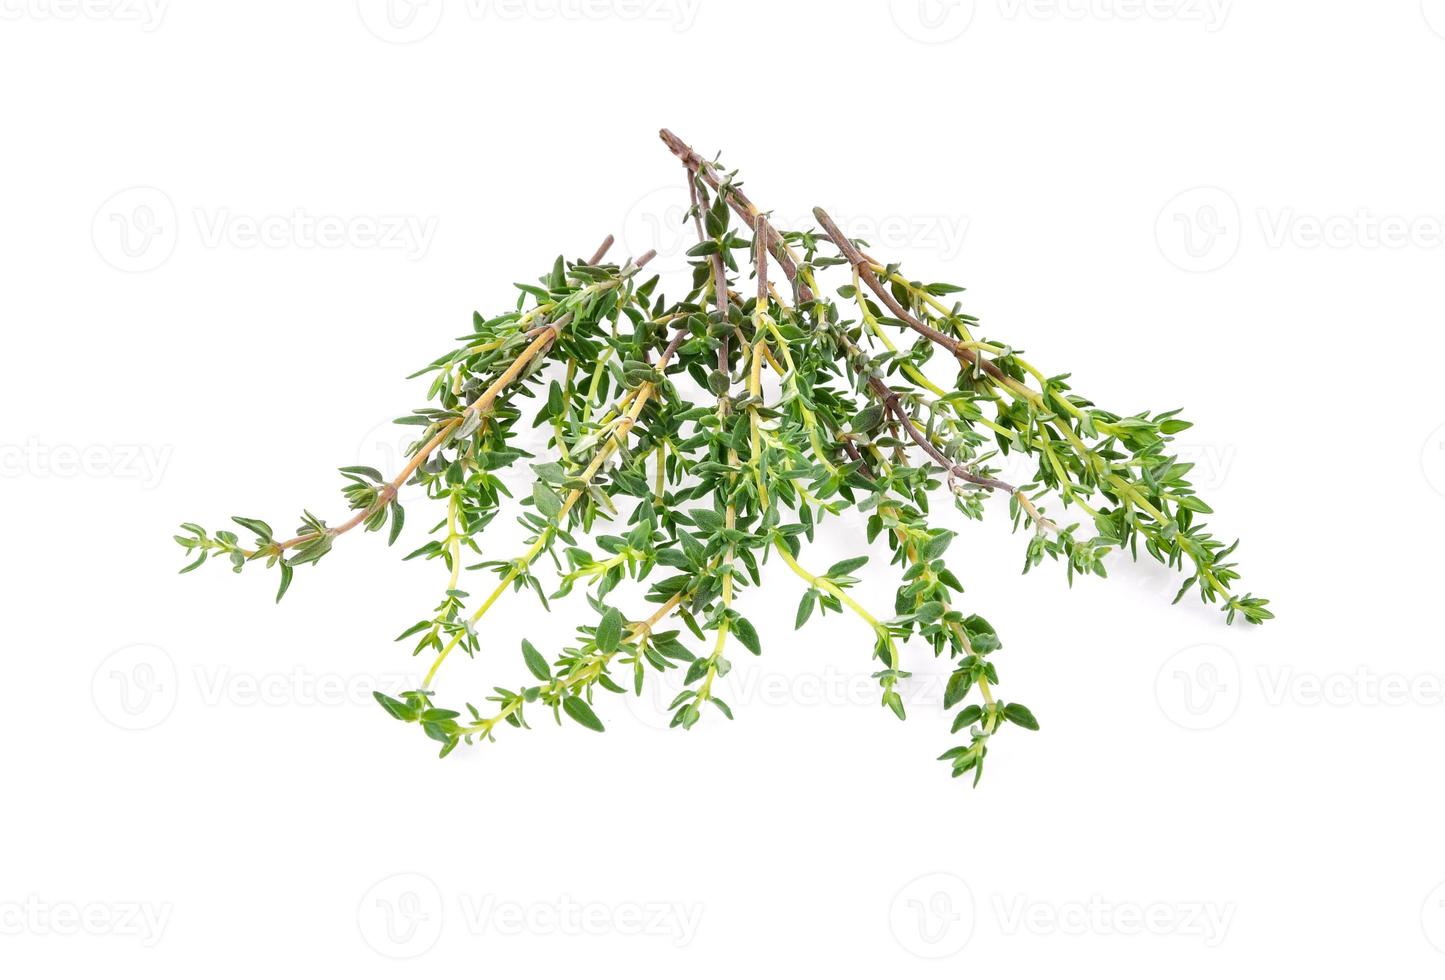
column 693, row 440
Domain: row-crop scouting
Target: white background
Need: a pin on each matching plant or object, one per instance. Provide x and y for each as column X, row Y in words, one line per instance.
column 183, row 749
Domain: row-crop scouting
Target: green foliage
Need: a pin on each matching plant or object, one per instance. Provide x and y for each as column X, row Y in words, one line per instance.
column 692, row 440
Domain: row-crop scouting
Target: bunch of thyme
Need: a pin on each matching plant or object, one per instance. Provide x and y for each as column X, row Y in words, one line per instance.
column 676, row 466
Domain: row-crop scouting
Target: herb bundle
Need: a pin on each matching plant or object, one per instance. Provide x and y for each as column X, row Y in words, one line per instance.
column 694, row 439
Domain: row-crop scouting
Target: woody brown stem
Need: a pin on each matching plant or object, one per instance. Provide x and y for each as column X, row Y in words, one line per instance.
column 744, row 208
column 762, row 229
column 541, row 341
column 864, row 269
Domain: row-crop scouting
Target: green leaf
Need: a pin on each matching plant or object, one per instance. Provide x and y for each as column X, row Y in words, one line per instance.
column 581, row 712
column 968, row 716
column 546, row 500
column 286, row 572
column 709, row 520
column 935, row 546
column 746, row 635
column 261, row 529
column 395, row 708
column 868, row 419
column 536, row 663
column 957, row 689
column 609, row 632
column 805, row 608
column 398, row 518
column 370, row 472
column 894, row 703
column 1021, row 716
column 313, row 552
